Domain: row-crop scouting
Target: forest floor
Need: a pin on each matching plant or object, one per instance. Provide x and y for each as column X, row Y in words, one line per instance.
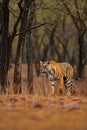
column 38, row 112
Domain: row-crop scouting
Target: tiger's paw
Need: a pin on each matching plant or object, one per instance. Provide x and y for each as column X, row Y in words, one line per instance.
column 52, row 92
column 60, row 91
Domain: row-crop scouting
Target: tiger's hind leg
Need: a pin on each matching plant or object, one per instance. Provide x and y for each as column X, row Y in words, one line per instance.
column 68, row 85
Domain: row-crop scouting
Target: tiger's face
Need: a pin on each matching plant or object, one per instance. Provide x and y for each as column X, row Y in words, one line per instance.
column 44, row 66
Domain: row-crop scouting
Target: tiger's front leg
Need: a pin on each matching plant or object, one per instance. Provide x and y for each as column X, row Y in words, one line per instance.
column 51, row 87
column 56, row 87
column 61, row 85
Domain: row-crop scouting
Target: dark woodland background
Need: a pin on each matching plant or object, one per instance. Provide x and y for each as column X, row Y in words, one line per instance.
column 34, row 30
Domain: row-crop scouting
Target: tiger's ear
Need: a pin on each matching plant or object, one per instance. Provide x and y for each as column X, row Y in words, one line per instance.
column 48, row 62
column 41, row 62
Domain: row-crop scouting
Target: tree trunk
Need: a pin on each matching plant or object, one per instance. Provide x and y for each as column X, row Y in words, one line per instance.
column 48, row 49
column 81, row 65
column 4, row 45
column 29, row 49
column 12, row 35
column 0, row 39
column 30, row 64
column 21, row 41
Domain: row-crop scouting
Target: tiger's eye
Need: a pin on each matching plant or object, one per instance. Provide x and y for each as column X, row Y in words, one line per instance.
column 45, row 66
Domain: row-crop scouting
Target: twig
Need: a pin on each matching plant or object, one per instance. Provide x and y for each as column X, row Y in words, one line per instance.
column 35, row 28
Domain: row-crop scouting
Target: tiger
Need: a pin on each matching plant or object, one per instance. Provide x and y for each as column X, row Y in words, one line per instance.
column 61, row 72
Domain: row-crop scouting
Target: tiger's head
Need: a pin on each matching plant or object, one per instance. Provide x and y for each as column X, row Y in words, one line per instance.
column 48, row 67
column 44, row 66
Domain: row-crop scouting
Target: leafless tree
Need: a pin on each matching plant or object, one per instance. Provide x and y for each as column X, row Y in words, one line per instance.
column 79, row 19
column 21, row 41
column 4, row 44
column 29, row 48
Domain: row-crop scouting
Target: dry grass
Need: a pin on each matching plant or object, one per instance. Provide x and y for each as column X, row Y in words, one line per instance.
column 41, row 111
column 41, row 85
column 24, row 112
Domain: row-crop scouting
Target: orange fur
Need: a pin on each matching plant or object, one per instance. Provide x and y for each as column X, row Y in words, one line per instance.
column 57, row 69
column 55, row 66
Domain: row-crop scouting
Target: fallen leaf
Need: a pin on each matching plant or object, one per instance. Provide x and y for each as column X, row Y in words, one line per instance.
column 36, row 105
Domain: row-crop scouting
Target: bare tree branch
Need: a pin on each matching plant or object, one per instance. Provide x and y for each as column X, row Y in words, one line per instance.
column 71, row 15
column 37, row 27
column 81, row 21
column 18, row 19
column 64, row 46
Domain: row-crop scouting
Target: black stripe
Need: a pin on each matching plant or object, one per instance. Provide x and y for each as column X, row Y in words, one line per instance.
column 68, row 83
